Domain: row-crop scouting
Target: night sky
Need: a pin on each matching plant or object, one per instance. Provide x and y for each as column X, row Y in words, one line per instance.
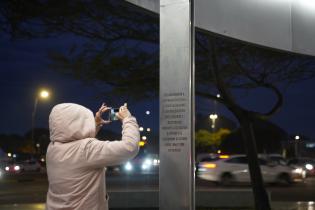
column 24, row 69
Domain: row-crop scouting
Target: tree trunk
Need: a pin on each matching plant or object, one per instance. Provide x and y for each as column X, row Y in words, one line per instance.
column 260, row 195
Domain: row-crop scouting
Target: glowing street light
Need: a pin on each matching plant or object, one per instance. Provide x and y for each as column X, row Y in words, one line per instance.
column 213, row 118
column 296, row 145
column 141, row 129
column 144, row 138
column 218, row 96
column 9, row 154
column 42, row 94
column 148, row 129
column 147, row 112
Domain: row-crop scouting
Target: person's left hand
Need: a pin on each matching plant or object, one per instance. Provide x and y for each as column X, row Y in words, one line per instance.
column 99, row 121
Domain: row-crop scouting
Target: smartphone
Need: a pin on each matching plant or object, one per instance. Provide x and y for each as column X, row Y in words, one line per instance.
column 112, row 114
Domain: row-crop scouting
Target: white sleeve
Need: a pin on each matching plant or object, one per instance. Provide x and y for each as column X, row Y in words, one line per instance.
column 106, row 153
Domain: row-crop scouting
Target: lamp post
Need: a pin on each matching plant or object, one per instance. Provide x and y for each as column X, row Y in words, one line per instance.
column 213, row 118
column 43, row 94
column 296, row 142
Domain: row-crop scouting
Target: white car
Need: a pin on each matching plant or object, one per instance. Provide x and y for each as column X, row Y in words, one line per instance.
column 148, row 164
column 30, row 165
column 228, row 169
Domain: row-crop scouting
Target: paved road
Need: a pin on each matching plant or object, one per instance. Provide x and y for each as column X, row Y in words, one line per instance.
column 32, row 188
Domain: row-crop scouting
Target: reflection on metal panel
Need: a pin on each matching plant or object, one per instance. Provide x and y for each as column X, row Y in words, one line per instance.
column 303, row 26
column 264, row 22
column 282, row 24
column 152, row 5
column 176, row 108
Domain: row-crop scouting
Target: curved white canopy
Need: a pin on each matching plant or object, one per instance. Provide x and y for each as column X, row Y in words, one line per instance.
column 281, row 24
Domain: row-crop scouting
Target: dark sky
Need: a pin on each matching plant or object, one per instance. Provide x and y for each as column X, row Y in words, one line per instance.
column 24, row 69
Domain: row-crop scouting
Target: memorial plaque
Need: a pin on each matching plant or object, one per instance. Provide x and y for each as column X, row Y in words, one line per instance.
column 176, row 105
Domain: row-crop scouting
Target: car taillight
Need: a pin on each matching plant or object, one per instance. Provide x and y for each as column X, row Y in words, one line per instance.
column 224, row 156
column 209, row 165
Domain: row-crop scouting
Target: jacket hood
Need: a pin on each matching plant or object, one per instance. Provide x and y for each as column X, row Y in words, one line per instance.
column 70, row 122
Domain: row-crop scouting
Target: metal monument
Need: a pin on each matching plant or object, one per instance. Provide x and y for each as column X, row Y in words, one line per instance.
column 176, row 105
column 287, row 25
column 281, row 24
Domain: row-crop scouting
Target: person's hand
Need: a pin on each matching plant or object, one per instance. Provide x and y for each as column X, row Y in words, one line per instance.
column 123, row 112
column 99, row 121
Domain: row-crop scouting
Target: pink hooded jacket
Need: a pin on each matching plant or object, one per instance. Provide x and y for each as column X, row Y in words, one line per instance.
column 76, row 160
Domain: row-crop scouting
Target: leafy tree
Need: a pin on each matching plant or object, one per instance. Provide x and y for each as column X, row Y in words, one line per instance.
column 119, row 43
column 205, row 140
column 270, row 139
column 27, row 149
column 41, row 137
column 11, row 142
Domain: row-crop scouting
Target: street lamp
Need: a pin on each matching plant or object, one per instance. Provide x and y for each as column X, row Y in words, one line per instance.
column 296, row 143
column 213, row 118
column 43, row 94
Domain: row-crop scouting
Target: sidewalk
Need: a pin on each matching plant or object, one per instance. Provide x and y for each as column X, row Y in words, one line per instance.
column 275, row 206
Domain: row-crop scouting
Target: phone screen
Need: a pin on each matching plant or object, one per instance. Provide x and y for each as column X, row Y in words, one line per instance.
column 112, row 114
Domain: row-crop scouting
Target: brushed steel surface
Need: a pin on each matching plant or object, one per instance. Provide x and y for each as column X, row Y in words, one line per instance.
column 176, row 106
column 281, row 24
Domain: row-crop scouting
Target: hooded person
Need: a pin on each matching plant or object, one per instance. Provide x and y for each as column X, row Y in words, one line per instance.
column 76, row 160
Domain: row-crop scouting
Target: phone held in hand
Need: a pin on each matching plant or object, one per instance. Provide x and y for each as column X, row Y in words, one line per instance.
column 112, row 114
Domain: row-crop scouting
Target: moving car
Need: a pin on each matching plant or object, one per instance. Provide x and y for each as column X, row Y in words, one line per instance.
column 229, row 169
column 306, row 163
column 30, row 165
column 144, row 164
column 15, row 167
column 11, row 167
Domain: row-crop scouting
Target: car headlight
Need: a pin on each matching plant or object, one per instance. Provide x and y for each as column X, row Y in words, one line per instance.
column 16, row 168
column 147, row 163
column 309, row 167
column 128, row 166
column 298, row 170
column 145, row 167
column 156, row 162
column 7, row 168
